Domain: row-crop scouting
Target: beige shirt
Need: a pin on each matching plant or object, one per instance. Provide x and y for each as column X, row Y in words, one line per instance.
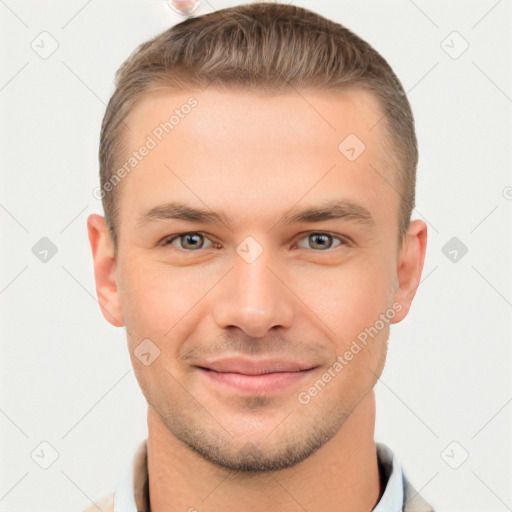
column 389, row 467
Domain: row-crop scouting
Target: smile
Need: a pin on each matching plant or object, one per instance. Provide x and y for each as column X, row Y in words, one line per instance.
column 262, row 382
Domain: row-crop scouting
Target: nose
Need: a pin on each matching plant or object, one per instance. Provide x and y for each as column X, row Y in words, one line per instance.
column 254, row 298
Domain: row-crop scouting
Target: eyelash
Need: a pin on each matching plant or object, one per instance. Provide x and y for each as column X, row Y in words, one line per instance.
column 168, row 241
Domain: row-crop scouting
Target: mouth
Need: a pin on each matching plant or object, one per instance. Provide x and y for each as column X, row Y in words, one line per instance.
column 256, row 376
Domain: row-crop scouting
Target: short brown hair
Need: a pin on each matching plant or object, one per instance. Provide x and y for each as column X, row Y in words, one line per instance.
column 266, row 46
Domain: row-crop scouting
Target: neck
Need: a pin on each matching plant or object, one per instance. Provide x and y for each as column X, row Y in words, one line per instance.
column 341, row 476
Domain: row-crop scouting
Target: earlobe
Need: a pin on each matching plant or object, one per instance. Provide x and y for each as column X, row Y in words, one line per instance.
column 104, row 260
column 409, row 266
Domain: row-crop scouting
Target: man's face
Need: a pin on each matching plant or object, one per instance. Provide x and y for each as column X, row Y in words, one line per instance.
column 258, row 291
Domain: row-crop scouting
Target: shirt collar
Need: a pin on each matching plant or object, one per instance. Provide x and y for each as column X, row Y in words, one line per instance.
column 132, row 491
column 391, row 470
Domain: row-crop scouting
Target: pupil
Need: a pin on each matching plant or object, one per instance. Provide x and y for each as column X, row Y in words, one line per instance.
column 190, row 240
column 317, row 237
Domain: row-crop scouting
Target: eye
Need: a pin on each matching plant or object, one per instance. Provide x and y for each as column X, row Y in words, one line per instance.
column 193, row 241
column 188, row 241
column 322, row 241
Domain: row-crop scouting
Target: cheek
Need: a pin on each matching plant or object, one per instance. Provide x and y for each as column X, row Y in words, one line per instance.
column 157, row 299
column 351, row 297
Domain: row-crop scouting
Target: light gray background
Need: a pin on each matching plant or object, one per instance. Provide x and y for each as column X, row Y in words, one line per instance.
column 66, row 377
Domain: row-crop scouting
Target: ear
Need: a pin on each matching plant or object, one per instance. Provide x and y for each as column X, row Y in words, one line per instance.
column 104, row 258
column 409, row 266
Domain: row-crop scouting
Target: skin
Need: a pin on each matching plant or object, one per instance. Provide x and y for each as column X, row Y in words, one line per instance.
column 257, row 158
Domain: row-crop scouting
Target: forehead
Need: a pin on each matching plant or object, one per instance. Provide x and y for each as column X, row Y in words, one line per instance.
column 238, row 148
column 327, row 112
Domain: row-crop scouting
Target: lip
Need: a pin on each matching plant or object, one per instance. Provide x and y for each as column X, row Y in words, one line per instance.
column 256, row 376
column 255, row 367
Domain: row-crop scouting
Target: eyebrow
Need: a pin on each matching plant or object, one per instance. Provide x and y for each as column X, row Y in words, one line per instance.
column 328, row 211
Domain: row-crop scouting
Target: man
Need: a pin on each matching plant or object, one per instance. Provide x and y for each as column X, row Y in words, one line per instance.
column 257, row 170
